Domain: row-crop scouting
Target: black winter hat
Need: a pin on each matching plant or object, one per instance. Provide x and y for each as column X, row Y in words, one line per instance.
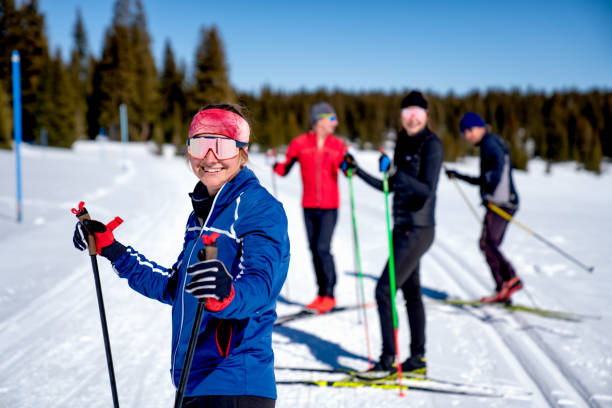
column 414, row 98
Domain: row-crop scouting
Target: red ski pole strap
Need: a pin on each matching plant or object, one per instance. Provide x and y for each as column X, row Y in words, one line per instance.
column 210, row 239
column 81, row 209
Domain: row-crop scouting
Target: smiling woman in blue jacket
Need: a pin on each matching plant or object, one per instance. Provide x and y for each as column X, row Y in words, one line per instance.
column 233, row 363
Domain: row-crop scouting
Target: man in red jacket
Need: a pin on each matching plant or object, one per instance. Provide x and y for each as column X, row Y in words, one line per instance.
column 320, row 154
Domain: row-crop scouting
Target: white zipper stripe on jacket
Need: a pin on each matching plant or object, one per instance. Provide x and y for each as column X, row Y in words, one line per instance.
column 231, row 233
column 185, row 281
column 220, row 231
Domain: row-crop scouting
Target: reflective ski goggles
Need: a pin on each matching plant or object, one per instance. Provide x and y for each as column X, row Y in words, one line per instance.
column 332, row 117
column 223, row 148
column 414, row 111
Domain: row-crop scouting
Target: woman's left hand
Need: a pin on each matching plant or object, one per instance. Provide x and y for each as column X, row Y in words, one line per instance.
column 209, row 279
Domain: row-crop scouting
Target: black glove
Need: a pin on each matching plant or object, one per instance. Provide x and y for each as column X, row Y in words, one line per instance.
column 451, row 174
column 349, row 162
column 78, row 239
column 106, row 245
column 276, row 168
column 209, row 279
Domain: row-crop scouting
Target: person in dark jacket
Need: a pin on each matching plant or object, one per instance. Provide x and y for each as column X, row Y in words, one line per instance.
column 497, row 187
column 413, row 178
column 320, row 154
column 233, row 363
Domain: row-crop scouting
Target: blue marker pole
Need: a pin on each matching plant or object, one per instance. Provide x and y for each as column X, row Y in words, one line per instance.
column 123, row 118
column 17, row 125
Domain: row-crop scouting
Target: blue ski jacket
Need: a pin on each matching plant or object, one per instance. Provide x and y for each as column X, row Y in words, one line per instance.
column 234, row 349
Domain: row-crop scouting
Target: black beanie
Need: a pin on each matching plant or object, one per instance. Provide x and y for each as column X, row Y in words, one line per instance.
column 414, row 98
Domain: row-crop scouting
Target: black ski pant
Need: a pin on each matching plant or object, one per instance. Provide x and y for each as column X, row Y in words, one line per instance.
column 409, row 245
column 493, row 229
column 228, row 401
column 320, row 226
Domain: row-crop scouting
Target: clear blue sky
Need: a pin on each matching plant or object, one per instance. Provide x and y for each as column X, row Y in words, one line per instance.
column 378, row 45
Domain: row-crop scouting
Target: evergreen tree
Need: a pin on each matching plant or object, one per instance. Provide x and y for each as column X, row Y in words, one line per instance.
column 80, row 75
column 22, row 29
column 211, row 76
column 114, row 75
column 172, row 100
column 533, row 121
column 555, row 144
column 55, row 105
column 606, row 135
column 10, row 37
column 144, row 106
column 588, row 145
column 6, row 123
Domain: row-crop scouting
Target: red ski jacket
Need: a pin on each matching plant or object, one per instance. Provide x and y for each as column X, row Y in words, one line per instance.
column 319, row 169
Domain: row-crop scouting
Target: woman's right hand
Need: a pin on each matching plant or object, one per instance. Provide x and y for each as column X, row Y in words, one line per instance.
column 103, row 234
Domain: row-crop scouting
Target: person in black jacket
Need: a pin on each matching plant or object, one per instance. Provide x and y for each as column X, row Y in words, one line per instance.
column 413, row 177
column 497, row 187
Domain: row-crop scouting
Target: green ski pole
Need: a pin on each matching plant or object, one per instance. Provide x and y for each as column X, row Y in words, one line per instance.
column 392, row 280
column 358, row 264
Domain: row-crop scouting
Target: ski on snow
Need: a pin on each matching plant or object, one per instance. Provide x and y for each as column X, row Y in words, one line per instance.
column 554, row 314
column 371, row 376
column 412, row 381
column 389, row 385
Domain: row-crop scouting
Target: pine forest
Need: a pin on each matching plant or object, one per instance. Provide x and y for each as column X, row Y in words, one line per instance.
column 63, row 101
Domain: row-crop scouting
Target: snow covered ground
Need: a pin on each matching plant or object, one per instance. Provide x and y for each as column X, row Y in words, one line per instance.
column 50, row 336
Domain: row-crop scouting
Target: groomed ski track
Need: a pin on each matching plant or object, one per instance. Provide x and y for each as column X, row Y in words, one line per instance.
column 557, row 384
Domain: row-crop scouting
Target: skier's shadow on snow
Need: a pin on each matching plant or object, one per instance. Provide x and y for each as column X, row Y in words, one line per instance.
column 325, row 351
column 428, row 292
column 365, row 275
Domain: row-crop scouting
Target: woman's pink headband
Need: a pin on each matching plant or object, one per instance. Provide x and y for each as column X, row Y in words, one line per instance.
column 220, row 122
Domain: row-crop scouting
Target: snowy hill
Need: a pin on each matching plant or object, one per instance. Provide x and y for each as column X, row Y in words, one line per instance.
column 50, row 336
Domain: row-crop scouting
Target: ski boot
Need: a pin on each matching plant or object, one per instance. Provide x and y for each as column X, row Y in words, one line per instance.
column 509, row 287
column 326, row 304
column 416, row 364
column 315, row 303
column 386, row 364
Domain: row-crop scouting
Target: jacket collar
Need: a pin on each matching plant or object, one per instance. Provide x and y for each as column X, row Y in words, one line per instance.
column 202, row 201
column 484, row 137
column 312, row 136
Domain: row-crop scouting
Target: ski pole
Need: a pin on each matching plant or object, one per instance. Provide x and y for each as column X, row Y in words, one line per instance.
column 82, row 215
column 358, row 264
column 209, row 252
column 392, row 281
column 467, row 201
column 510, row 218
column 271, row 159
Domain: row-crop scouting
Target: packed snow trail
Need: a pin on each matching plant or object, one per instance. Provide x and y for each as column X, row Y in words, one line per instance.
column 50, row 336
